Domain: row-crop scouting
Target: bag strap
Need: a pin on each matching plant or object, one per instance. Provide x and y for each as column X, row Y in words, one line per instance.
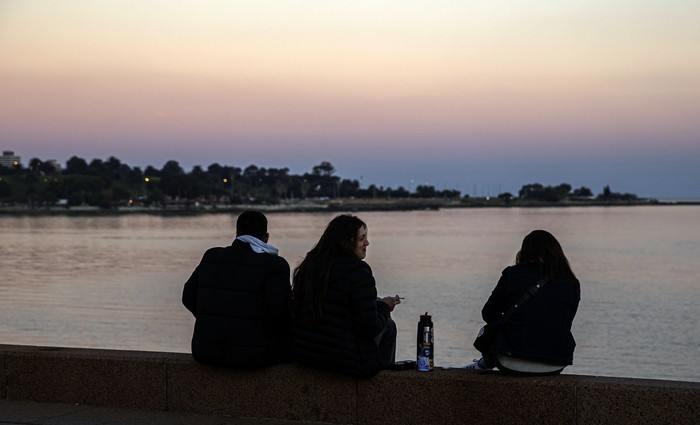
column 526, row 296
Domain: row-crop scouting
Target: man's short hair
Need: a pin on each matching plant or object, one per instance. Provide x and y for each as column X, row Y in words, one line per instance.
column 253, row 223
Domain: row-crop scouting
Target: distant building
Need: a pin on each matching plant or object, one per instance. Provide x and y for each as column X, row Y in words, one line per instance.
column 9, row 159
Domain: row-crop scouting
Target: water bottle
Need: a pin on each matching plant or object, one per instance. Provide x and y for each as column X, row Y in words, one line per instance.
column 425, row 346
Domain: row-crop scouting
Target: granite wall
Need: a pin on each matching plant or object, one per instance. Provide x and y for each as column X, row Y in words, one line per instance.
column 174, row 382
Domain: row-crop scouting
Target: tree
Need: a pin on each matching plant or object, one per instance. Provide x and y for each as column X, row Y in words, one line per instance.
column 304, row 188
column 348, row 188
column 135, row 181
column 171, row 169
column 5, row 189
column 562, row 191
column 322, row 181
column 401, row 192
column 81, row 189
column 425, row 191
column 449, row 194
column 76, row 165
column 115, row 170
column 535, row 191
column 609, row 195
column 34, row 165
column 372, row 191
column 96, row 167
column 104, row 182
column 528, row 190
column 582, row 192
column 506, row 197
column 324, row 169
column 120, row 191
column 173, row 181
column 151, row 172
column 48, row 168
column 250, row 174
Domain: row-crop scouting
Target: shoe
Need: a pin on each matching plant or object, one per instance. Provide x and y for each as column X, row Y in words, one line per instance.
column 478, row 365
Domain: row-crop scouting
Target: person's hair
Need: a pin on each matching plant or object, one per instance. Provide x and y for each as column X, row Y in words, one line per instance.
column 542, row 249
column 310, row 278
column 253, row 223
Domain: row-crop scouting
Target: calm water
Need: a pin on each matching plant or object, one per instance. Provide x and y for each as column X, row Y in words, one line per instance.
column 115, row 282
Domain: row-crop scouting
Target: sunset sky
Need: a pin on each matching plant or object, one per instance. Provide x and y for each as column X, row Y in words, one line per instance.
column 481, row 96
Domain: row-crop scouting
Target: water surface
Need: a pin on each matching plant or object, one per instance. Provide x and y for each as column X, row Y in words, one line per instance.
column 116, row 282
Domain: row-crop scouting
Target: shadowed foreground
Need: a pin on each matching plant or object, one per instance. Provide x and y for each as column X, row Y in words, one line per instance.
column 154, row 383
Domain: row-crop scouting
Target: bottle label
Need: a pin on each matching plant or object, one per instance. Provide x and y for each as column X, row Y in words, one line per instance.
column 423, row 364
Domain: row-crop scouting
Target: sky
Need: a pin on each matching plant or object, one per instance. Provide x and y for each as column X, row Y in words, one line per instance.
column 478, row 96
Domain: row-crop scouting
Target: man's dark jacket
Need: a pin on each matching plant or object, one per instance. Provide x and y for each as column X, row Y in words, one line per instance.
column 240, row 300
column 540, row 330
column 343, row 338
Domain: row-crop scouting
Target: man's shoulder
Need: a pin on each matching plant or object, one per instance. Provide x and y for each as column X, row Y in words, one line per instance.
column 223, row 254
column 275, row 260
column 241, row 253
column 214, row 252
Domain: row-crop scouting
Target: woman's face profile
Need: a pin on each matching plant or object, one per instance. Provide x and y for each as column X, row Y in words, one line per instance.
column 361, row 242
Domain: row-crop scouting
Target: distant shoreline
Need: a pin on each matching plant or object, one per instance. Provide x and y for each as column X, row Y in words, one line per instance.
column 334, row 205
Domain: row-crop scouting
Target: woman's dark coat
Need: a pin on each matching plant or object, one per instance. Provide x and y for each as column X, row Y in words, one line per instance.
column 539, row 330
column 343, row 338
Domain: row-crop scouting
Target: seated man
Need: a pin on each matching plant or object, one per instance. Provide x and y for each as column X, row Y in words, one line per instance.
column 239, row 297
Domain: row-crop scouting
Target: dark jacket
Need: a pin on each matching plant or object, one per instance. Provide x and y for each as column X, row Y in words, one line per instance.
column 540, row 330
column 240, row 300
column 343, row 339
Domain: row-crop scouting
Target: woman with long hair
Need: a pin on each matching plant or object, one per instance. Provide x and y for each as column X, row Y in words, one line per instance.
column 536, row 338
column 339, row 323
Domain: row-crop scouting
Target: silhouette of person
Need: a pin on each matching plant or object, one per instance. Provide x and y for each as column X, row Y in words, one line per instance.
column 537, row 337
column 338, row 322
column 239, row 296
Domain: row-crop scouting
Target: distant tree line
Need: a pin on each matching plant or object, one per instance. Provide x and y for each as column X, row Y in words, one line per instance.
column 111, row 183
column 538, row 192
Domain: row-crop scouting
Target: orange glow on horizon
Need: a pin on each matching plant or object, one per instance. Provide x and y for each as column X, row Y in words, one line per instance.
column 424, row 79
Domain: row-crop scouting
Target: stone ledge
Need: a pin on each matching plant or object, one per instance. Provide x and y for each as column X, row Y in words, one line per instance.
column 283, row 392
column 175, row 382
column 94, row 377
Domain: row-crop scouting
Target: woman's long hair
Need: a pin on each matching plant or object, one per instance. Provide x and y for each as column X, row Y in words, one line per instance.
column 310, row 278
column 542, row 249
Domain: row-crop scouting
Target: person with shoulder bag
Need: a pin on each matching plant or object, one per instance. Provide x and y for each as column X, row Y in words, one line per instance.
column 530, row 313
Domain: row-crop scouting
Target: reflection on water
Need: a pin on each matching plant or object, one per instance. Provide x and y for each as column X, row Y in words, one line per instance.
column 116, row 282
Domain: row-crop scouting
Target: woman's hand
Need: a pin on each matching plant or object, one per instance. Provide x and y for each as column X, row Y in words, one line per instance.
column 392, row 301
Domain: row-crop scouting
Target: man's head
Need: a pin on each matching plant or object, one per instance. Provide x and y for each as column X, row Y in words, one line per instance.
column 253, row 223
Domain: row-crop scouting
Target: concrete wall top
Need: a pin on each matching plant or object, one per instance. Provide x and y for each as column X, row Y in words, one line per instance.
column 174, row 381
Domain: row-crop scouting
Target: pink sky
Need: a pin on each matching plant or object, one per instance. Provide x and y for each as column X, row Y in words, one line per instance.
column 485, row 94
